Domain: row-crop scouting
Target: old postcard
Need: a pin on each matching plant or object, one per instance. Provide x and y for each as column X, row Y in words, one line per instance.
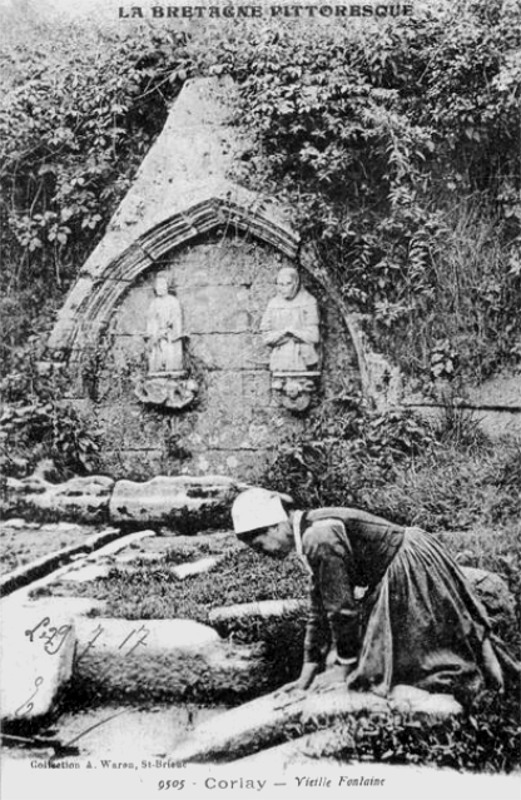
column 260, row 416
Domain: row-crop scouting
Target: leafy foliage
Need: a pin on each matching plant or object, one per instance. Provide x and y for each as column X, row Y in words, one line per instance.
column 37, row 423
column 77, row 118
column 48, row 430
column 397, row 147
column 75, row 124
column 442, row 476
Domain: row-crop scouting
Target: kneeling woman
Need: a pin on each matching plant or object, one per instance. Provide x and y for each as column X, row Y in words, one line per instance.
column 419, row 623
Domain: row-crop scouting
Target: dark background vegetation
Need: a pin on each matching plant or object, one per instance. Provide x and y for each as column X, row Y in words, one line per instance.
column 397, row 146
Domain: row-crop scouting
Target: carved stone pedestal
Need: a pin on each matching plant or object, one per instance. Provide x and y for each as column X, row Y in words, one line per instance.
column 167, row 389
column 294, row 390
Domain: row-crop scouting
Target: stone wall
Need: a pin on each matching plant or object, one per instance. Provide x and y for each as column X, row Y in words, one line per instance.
column 223, row 283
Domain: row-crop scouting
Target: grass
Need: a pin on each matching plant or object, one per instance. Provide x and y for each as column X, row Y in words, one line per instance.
column 469, row 300
column 452, row 488
column 153, row 591
column 487, row 738
column 463, row 487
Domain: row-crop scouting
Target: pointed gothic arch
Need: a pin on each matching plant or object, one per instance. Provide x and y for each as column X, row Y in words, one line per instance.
column 94, row 299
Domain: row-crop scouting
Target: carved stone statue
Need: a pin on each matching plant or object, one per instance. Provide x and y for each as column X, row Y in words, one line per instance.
column 165, row 383
column 290, row 328
column 164, row 331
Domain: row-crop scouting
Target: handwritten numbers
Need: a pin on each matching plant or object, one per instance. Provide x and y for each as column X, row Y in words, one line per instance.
column 31, row 632
column 28, row 705
column 56, row 636
column 52, row 636
column 90, row 644
column 135, row 643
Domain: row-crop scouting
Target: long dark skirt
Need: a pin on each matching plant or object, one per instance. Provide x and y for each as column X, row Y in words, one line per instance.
column 423, row 625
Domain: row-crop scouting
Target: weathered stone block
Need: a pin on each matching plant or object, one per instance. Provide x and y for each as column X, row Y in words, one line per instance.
column 227, row 462
column 121, row 425
column 79, row 499
column 333, row 742
column 36, row 662
column 256, row 388
column 267, row 609
column 218, row 428
column 228, row 262
column 139, row 464
column 258, row 724
column 131, row 319
column 164, row 660
column 198, row 567
column 217, row 309
column 185, row 502
column 227, row 350
column 155, row 635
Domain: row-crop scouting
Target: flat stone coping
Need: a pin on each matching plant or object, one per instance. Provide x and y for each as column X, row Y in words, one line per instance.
column 51, row 568
column 255, row 725
column 40, row 567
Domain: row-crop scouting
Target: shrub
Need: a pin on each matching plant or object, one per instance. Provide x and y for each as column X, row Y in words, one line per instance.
column 81, row 107
column 396, row 147
column 447, row 476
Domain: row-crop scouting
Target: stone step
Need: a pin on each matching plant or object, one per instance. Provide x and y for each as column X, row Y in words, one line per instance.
column 162, row 660
column 40, row 567
column 266, row 721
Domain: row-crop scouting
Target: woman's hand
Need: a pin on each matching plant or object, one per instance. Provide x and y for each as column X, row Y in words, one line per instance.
column 292, row 692
column 307, row 675
column 333, row 678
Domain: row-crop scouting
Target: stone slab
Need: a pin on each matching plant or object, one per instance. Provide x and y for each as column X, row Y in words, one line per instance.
column 43, row 566
column 182, row 501
column 224, row 351
column 159, row 660
column 52, row 572
column 36, row 660
column 255, row 725
column 79, row 499
column 139, row 464
column 213, row 309
column 54, row 606
column 90, row 572
column 263, row 608
column 120, row 636
column 198, row 567
column 301, row 751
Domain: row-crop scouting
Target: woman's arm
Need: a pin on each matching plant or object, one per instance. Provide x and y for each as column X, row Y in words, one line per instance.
column 329, row 555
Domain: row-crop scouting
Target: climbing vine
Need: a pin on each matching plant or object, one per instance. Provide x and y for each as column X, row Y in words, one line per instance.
column 397, row 147
column 75, row 124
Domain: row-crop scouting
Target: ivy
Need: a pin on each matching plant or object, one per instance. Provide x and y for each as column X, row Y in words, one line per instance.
column 397, row 146
column 74, row 125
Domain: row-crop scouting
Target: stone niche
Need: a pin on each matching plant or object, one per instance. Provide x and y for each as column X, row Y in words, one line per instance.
column 223, row 284
column 188, row 222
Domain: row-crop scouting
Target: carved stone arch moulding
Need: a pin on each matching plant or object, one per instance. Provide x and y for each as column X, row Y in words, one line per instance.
column 94, row 298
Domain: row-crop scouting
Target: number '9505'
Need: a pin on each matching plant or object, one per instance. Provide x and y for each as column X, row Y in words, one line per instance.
column 170, row 785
